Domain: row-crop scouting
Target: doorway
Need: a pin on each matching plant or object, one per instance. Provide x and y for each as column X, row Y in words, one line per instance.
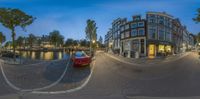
column 151, row 52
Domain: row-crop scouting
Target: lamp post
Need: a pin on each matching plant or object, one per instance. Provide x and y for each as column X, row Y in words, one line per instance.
column 93, row 42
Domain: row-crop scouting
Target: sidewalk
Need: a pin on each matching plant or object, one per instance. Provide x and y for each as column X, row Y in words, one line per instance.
column 146, row 60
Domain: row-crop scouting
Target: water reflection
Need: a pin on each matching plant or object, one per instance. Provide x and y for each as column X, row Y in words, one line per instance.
column 43, row 55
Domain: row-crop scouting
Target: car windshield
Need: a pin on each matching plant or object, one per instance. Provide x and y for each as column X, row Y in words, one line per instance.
column 80, row 54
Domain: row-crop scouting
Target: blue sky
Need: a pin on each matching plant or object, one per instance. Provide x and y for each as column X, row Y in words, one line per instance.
column 69, row 16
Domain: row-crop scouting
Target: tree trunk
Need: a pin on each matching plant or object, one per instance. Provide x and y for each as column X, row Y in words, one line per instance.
column 13, row 39
column 90, row 47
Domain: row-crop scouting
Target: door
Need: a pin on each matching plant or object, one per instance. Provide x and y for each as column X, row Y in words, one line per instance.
column 151, row 51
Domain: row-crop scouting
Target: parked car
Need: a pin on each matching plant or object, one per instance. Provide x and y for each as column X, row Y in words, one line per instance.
column 80, row 58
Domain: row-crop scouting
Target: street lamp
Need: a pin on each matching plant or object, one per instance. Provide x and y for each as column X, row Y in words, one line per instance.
column 199, row 44
column 93, row 41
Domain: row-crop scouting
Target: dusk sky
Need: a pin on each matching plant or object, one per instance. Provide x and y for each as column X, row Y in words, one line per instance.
column 69, row 16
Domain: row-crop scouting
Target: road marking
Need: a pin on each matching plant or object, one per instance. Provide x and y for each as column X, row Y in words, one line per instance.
column 7, row 81
column 69, row 90
column 35, row 89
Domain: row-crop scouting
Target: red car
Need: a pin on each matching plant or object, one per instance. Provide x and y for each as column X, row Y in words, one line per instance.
column 80, row 59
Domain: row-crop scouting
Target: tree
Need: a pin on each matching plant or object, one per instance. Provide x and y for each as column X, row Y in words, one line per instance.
column 100, row 41
column 69, row 42
column 56, row 38
column 75, row 43
column 84, row 43
column 31, row 40
column 2, row 38
column 91, row 34
column 20, row 41
column 12, row 18
column 8, row 44
column 197, row 19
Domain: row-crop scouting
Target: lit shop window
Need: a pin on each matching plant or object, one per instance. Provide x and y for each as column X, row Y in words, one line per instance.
column 168, row 48
column 161, row 48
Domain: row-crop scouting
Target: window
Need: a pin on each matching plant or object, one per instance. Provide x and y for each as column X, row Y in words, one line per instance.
column 152, row 33
column 122, row 28
column 168, row 36
column 151, row 20
column 135, row 45
column 134, row 32
column 161, row 34
column 127, row 34
column 127, row 27
column 122, row 35
column 134, row 25
column 168, row 48
column 161, row 20
column 140, row 24
column 141, row 32
column 161, row 48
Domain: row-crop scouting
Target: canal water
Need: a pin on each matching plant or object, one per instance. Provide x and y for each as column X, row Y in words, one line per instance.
column 39, row 55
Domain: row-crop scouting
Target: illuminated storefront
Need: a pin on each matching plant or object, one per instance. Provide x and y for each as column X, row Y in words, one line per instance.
column 159, row 48
column 151, row 52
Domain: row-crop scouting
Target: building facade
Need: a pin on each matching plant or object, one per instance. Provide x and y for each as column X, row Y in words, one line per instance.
column 159, row 30
column 115, row 31
column 191, row 42
column 185, row 41
column 177, row 33
column 159, row 34
column 133, row 37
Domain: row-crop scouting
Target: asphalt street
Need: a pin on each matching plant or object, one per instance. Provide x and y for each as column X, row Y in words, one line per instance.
column 112, row 79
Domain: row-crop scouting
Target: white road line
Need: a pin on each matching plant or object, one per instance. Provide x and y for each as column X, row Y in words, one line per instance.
column 70, row 90
column 7, row 81
column 36, row 89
